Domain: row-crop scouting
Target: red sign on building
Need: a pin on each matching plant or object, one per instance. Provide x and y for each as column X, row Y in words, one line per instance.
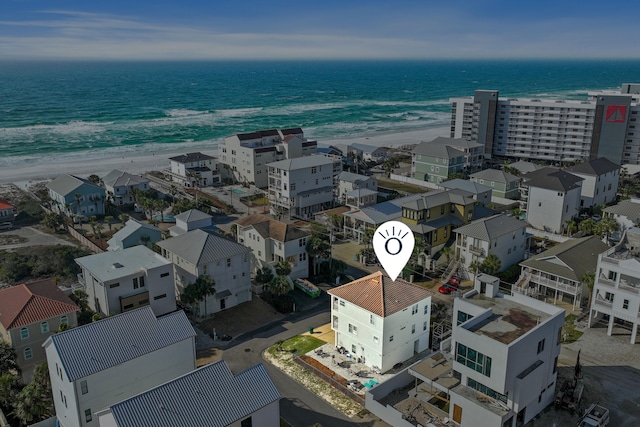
column 616, row 113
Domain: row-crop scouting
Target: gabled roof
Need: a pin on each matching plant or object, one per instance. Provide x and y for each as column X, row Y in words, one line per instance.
column 595, row 167
column 570, row 259
column 200, row 247
column 209, row 396
column 270, row 228
column 439, row 198
column 626, row 208
column 24, row 304
column 115, row 340
column 462, row 184
column 353, row 177
column 429, row 147
column 66, row 184
column 525, row 167
column 552, row 179
column 5, row 205
column 437, row 150
column 131, row 227
column 117, row 178
column 301, row 162
column 492, row 227
column 112, row 265
column 495, row 175
column 191, row 157
column 192, row 215
column 380, row 295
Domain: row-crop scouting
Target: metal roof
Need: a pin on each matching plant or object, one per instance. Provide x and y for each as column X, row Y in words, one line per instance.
column 301, row 162
column 112, row 265
column 439, row 198
column 490, row 228
column 428, row 147
column 382, row 212
column 627, row 208
column 200, row 247
column 115, row 340
column 131, row 227
column 495, row 175
column 353, row 177
column 66, row 184
column 463, row 184
column 117, row 178
column 192, row 215
column 210, row 396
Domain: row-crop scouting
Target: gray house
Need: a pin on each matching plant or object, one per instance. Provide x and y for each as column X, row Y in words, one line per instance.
column 119, row 184
column 135, row 233
column 503, row 184
column 73, row 196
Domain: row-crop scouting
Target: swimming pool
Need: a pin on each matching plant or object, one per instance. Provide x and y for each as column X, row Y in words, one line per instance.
column 237, row 191
column 164, row 218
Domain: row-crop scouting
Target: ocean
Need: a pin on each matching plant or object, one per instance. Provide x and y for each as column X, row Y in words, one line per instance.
column 60, row 111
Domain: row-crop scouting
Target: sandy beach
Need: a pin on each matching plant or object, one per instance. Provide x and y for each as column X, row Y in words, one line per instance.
column 25, row 176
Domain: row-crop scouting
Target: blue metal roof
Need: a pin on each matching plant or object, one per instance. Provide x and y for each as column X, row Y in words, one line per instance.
column 210, row 396
column 101, row 345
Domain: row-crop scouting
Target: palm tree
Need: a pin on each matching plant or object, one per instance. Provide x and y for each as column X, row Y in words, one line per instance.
column 283, row 268
column 606, row 226
column 173, row 190
column 199, row 291
column 77, row 196
column 8, row 359
column 108, row 219
column 317, row 248
column 123, row 218
column 264, row 275
column 491, row 264
column 447, row 251
column 144, row 240
column 52, row 220
column 279, row 285
column 571, row 227
column 10, row 386
column 587, row 226
column 588, row 279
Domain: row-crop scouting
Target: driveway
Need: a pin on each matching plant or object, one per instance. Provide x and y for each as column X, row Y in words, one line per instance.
column 28, row 236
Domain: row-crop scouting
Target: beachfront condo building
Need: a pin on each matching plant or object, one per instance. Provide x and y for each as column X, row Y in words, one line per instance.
column 434, row 161
column 616, row 291
column 604, row 125
column 302, row 186
column 245, row 155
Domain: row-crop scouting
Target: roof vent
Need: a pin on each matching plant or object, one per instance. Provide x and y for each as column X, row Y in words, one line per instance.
column 117, row 265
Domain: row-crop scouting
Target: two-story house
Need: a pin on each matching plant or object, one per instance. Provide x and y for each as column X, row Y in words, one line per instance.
column 600, row 185
column 76, row 197
column 123, row 280
column 357, row 190
column 501, row 367
column 273, row 241
column 246, row 155
column 434, row 215
column 549, row 197
column 249, row 398
column 380, row 321
column 134, row 233
column 29, row 314
column 557, row 274
column 228, row 263
column 301, row 186
column 616, row 291
column 503, row 184
column 193, row 219
column 96, row 365
column 120, row 185
column 435, row 160
column 500, row 235
column 194, row 170
column 480, row 192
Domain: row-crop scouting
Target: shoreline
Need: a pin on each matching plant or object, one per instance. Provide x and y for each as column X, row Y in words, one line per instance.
column 24, row 176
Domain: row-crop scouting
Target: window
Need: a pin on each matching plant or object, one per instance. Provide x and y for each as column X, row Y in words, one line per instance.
column 353, row 329
column 540, row 346
column 391, row 338
column 165, row 274
column 114, row 285
column 87, row 415
column 413, row 329
column 64, row 320
column 24, row 333
column 372, row 319
column 473, row 359
column 426, row 309
column 228, row 262
column 204, row 269
column 28, row 353
column 463, row 317
column 84, row 389
column 424, row 326
column 486, row 390
column 247, row 422
column 342, row 303
column 314, row 169
column 375, row 340
column 138, row 282
column 127, row 307
column 353, row 348
column 302, row 242
column 414, row 309
column 157, row 297
column 44, row 327
column 625, row 304
column 302, row 256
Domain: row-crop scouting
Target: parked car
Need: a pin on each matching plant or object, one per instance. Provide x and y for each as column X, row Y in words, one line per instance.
column 447, row 288
column 455, row 281
column 596, row 218
column 6, row 226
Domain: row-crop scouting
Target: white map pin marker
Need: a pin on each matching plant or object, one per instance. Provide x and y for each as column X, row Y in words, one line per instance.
column 393, row 243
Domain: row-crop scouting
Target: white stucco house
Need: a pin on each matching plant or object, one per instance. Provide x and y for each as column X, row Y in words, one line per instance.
column 501, row 367
column 500, row 235
column 119, row 184
column 194, row 170
column 228, row 263
column 123, row 280
column 211, row 392
column 549, row 197
column 380, row 321
column 616, row 291
column 272, row 241
column 96, row 365
column 600, row 185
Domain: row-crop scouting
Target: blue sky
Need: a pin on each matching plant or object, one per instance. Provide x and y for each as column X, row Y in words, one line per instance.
column 327, row 29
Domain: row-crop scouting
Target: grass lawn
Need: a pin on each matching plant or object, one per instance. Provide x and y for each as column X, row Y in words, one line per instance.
column 301, row 344
column 401, row 186
column 569, row 329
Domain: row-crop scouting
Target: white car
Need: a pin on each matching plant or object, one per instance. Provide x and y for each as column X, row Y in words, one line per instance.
column 6, row 226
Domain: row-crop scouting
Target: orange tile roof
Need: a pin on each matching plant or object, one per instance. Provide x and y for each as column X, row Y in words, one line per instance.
column 5, row 205
column 380, row 295
column 24, row 304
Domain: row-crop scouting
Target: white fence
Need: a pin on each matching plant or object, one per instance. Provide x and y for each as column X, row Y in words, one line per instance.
column 413, row 181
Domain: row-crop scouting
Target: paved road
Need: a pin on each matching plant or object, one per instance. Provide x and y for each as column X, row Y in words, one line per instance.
column 299, row 406
column 34, row 237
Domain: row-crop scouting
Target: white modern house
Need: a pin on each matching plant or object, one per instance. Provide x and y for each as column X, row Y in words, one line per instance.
column 500, row 235
column 119, row 186
column 549, row 197
column 211, row 392
column 96, row 365
column 228, row 263
column 301, row 186
column 134, row 233
column 273, row 241
column 348, row 182
column 616, row 291
column 246, row 155
column 193, row 219
column 626, row 214
column 556, row 275
column 600, row 185
column 501, row 367
column 74, row 196
column 194, row 170
column 381, row 321
column 123, row 280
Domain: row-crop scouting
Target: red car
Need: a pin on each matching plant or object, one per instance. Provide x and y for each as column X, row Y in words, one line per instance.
column 455, row 281
column 447, row 288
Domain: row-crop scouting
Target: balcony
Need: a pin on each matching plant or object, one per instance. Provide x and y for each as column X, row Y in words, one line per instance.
column 476, row 250
column 555, row 284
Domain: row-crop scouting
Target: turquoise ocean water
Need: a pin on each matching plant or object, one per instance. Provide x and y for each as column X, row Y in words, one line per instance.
column 73, row 110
